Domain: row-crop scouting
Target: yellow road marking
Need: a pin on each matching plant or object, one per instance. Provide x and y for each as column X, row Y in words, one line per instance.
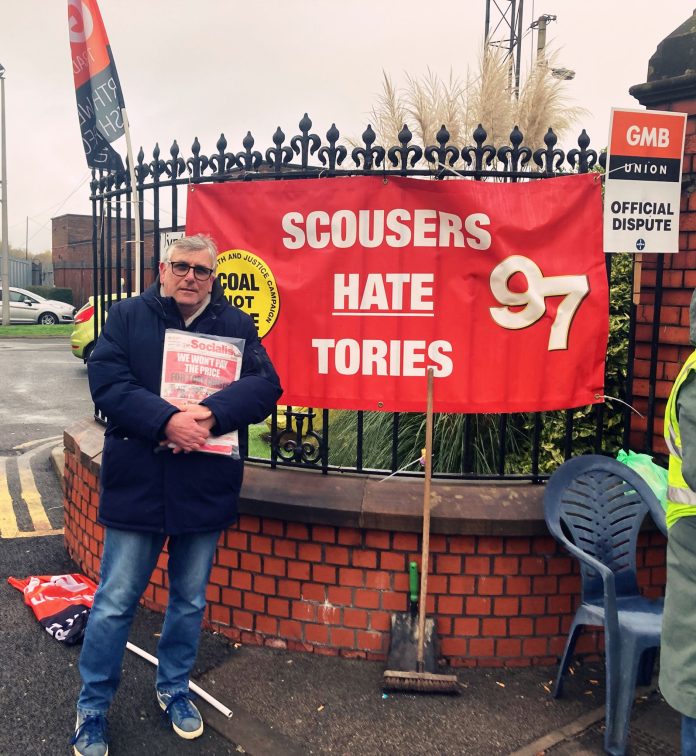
column 30, row 492
column 31, row 495
column 8, row 521
column 34, row 534
column 36, row 441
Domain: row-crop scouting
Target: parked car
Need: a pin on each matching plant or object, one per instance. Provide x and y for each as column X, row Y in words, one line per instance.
column 27, row 307
column 82, row 336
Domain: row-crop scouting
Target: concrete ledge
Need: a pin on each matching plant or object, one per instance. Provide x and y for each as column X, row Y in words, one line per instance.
column 352, row 500
column 85, row 439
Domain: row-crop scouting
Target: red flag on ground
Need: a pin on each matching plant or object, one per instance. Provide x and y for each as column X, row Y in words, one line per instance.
column 97, row 88
column 61, row 603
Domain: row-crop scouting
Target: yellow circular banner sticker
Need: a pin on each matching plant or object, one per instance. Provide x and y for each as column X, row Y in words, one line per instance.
column 249, row 284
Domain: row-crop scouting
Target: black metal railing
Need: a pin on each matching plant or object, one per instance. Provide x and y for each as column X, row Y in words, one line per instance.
column 521, row 446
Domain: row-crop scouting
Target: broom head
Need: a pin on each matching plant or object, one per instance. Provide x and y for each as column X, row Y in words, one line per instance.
column 402, row 665
column 420, row 682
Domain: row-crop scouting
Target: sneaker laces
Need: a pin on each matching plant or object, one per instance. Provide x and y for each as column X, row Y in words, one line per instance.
column 181, row 704
column 93, row 727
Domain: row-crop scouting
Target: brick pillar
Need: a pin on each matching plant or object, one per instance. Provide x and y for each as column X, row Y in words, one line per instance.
column 671, row 85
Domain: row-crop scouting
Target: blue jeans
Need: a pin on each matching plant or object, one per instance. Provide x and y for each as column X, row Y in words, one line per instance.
column 127, row 563
column 688, row 736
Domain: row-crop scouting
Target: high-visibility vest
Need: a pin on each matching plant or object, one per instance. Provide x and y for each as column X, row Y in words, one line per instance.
column 681, row 500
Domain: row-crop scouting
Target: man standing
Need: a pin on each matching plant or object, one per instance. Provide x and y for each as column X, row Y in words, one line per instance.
column 149, row 496
column 678, row 646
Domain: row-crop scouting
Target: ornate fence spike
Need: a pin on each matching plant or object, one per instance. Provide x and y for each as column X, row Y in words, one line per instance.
column 549, row 159
column 399, row 156
column 306, row 144
column 516, row 136
column 480, row 135
column 405, row 135
column 583, row 159
column 305, row 123
column 250, row 159
column 481, row 153
column 157, row 167
column 515, row 157
column 223, row 161
column 277, row 157
column 443, row 155
column 176, row 166
column 583, row 140
column 334, row 154
column 142, row 169
column 369, row 155
column 198, row 163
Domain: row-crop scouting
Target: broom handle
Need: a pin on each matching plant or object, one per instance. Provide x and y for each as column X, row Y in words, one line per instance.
column 425, row 555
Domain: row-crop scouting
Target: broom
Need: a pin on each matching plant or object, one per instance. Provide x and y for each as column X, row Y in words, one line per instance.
column 420, row 680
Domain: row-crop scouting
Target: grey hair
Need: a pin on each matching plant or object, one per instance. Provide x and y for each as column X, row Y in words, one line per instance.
column 195, row 243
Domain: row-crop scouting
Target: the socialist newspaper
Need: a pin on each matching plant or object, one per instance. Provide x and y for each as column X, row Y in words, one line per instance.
column 195, row 366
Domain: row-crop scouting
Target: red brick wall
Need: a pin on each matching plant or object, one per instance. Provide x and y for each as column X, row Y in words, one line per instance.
column 678, row 284
column 497, row 600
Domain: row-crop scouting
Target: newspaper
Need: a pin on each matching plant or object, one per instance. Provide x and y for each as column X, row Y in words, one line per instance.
column 194, row 366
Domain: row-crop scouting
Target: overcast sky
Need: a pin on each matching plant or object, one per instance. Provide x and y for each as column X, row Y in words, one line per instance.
column 192, row 69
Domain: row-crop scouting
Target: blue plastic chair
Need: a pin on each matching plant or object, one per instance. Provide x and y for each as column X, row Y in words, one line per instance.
column 594, row 506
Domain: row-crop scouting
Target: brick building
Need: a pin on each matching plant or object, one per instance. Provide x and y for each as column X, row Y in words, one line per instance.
column 73, row 262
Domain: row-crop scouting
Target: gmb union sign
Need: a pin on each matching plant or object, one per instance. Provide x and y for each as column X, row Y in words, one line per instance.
column 643, row 181
column 359, row 285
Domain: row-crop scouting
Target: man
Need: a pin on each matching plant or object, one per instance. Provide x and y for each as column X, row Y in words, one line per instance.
column 155, row 488
column 678, row 648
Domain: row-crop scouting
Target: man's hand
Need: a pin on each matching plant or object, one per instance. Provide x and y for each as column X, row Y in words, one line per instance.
column 203, row 416
column 199, row 411
column 187, row 430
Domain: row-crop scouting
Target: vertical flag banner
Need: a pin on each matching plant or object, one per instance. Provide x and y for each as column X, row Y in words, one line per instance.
column 98, row 92
column 643, row 181
column 359, row 285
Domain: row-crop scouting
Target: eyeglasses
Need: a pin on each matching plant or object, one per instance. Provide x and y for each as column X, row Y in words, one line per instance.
column 200, row 272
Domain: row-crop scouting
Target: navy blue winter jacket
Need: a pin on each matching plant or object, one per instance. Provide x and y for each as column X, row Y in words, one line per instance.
column 165, row 492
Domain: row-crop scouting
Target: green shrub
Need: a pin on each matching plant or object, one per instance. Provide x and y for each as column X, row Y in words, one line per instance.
column 58, row 293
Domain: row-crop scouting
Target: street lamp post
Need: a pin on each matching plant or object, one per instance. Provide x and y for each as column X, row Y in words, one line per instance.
column 3, row 179
column 540, row 25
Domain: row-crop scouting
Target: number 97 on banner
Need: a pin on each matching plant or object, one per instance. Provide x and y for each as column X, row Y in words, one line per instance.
column 573, row 289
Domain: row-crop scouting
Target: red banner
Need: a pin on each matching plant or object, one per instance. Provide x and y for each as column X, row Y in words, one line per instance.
column 358, row 285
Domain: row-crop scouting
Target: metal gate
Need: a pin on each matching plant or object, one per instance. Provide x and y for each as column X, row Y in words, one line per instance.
column 526, row 446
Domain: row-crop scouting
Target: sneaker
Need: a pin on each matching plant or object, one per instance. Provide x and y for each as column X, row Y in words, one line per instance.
column 184, row 716
column 90, row 736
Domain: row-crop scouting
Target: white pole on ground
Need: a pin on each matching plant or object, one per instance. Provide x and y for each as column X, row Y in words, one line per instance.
column 192, row 685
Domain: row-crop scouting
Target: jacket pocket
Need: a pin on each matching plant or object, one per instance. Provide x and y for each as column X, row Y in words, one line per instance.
column 131, row 483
